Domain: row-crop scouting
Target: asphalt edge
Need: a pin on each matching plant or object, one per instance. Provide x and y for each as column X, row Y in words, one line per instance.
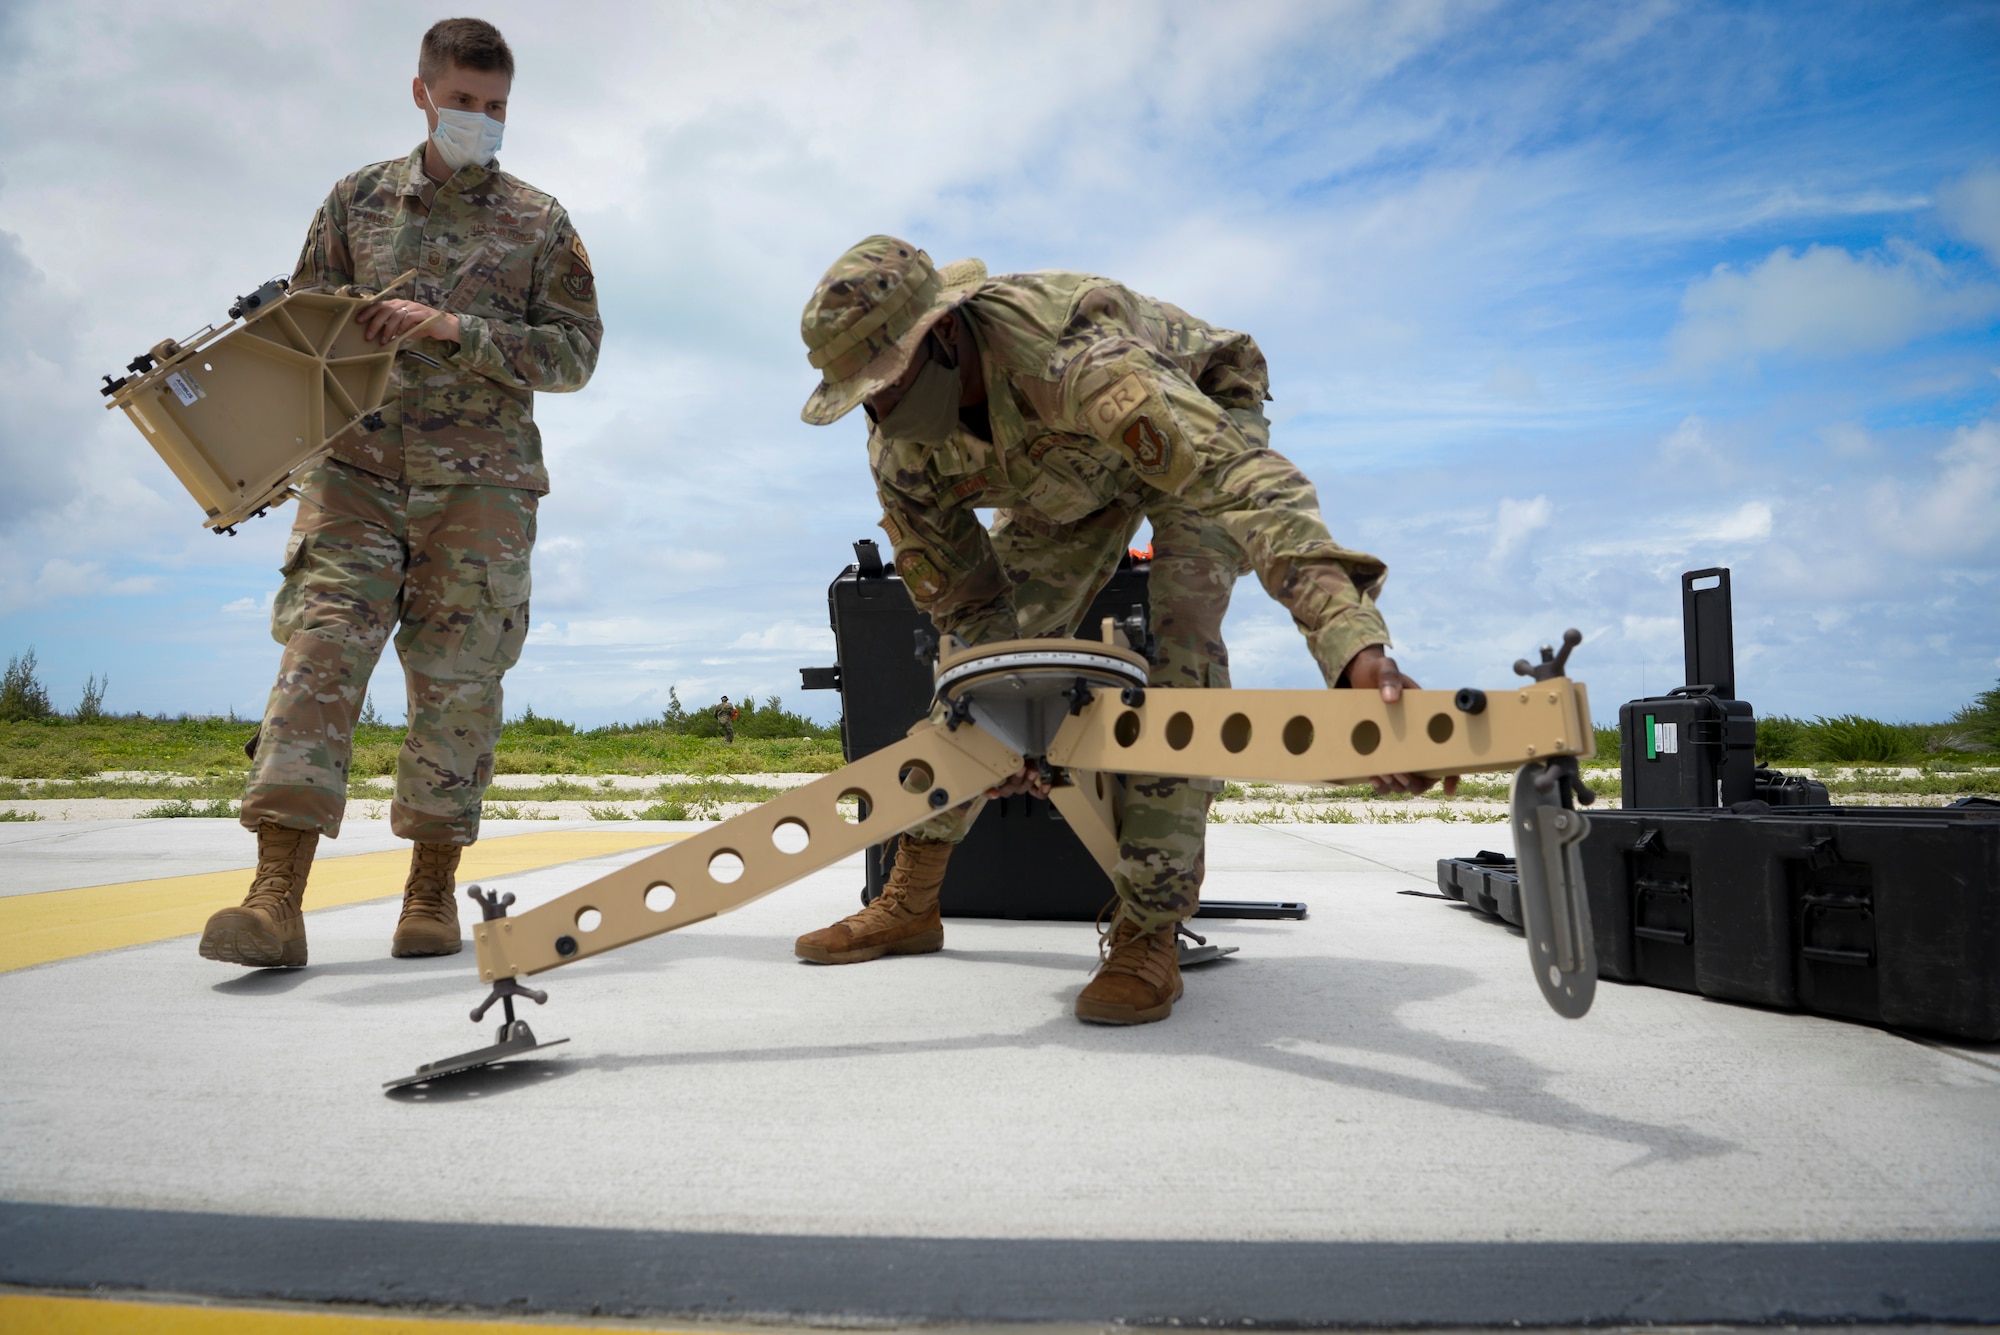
column 522, row 1269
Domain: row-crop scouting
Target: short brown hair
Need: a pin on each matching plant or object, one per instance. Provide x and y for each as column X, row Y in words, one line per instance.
column 472, row 43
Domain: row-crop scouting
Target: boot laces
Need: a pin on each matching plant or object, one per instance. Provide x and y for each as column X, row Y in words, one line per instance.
column 1123, row 948
column 430, row 886
column 885, row 909
column 277, row 862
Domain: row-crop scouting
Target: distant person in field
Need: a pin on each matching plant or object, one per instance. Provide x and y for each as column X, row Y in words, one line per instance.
column 424, row 527
column 725, row 714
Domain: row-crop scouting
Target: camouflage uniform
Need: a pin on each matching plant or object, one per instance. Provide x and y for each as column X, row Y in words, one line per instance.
column 1102, row 404
column 428, row 521
column 1194, row 569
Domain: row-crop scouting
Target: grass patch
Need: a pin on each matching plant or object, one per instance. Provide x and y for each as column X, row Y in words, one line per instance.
column 12, row 815
column 180, row 808
column 607, row 813
column 227, row 786
column 61, row 748
column 512, row 811
column 1982, row 783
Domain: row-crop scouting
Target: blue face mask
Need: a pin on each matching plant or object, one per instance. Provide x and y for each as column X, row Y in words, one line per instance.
column 465, row 137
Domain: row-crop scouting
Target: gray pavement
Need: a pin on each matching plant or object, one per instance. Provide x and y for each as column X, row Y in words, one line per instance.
column 1383, row 1073
column 64, row 855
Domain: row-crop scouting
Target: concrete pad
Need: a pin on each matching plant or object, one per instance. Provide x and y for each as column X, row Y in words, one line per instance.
column 43, row 856
column 1383, row 1074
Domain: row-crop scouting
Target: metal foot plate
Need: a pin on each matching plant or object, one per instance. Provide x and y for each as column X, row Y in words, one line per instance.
column 516, row 1039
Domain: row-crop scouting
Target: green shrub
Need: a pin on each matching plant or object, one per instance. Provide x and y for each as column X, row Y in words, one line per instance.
column 531, row 724
column 90, row 709
column 1979, row 722
column 1610, row 745
column 1852, row 739
column 23, row 698
column 1782, row 739
column 768, row 721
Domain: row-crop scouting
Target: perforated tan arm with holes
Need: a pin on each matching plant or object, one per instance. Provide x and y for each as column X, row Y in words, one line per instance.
column 1275, row 736
column 1324, row 736
column 899, row 787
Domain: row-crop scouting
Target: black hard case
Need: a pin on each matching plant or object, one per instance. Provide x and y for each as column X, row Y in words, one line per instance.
column 1020, row 860
column 1714, row 763
column 1889, row 915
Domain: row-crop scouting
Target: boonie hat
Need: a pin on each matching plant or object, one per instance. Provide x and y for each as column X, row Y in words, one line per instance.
column 868, row 315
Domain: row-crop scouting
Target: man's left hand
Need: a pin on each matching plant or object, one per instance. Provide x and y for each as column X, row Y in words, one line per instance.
column 391, row 319
column 1372, row 669
column 1028, row 780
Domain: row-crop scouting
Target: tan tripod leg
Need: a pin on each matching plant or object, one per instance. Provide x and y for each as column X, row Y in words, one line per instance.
column 899, row 787
column 1090, row 803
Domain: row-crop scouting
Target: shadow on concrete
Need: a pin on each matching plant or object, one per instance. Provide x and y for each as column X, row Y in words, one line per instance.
column 483, row 1083
column 271, row 982
column 1285, row 1015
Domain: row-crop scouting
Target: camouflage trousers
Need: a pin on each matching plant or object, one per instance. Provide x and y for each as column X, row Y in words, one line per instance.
column 445, row 569
column 1055, row 574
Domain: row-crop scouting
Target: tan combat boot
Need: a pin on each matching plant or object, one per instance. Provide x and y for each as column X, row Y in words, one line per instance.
column 429, row 925
column 267, row 930
column 902, row 920
column 1140, row 978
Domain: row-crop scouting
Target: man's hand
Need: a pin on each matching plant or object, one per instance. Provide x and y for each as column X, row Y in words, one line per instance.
column 1373, row 669
column 386, row 320
column 1029, row 781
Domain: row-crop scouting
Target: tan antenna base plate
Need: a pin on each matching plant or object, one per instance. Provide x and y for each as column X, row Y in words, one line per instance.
column 238, row 413
column 1021, row 691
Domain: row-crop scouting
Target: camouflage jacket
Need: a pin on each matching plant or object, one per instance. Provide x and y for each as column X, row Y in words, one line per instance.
column 1095, row 396
column 503, row 257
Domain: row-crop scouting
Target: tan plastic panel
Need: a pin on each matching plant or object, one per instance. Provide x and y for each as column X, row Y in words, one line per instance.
column 1090, row 803
column 1323, row 736
column 238, row 413
column 961, row 765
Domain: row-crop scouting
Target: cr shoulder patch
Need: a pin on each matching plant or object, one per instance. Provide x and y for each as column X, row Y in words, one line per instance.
column 972, row 486
column 922, row 578
column 579, row 282
column 1108, row 411
column 1152, row 451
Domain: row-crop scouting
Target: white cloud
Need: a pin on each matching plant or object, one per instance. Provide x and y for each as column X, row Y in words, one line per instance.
column 1955, row 513
column 1825, row 302
column 1970, row 206
column 786, row 637
column 1515, row 521
column 245, row 607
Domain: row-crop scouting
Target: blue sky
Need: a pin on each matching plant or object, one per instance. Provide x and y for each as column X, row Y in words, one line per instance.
column 1560, row 300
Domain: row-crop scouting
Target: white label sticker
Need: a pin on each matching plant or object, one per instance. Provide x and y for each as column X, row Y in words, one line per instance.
column 1669, row 738
column 185, row 389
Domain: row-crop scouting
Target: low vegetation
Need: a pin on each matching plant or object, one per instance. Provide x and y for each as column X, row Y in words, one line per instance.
column 194, row 766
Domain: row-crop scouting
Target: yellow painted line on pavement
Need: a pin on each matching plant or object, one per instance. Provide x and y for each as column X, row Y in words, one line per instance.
column 37, row 1314
column 62, row 924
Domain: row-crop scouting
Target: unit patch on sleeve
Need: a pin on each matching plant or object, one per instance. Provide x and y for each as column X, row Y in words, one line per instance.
column 578, row 281
column 923, row 578
column 1151, row 451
